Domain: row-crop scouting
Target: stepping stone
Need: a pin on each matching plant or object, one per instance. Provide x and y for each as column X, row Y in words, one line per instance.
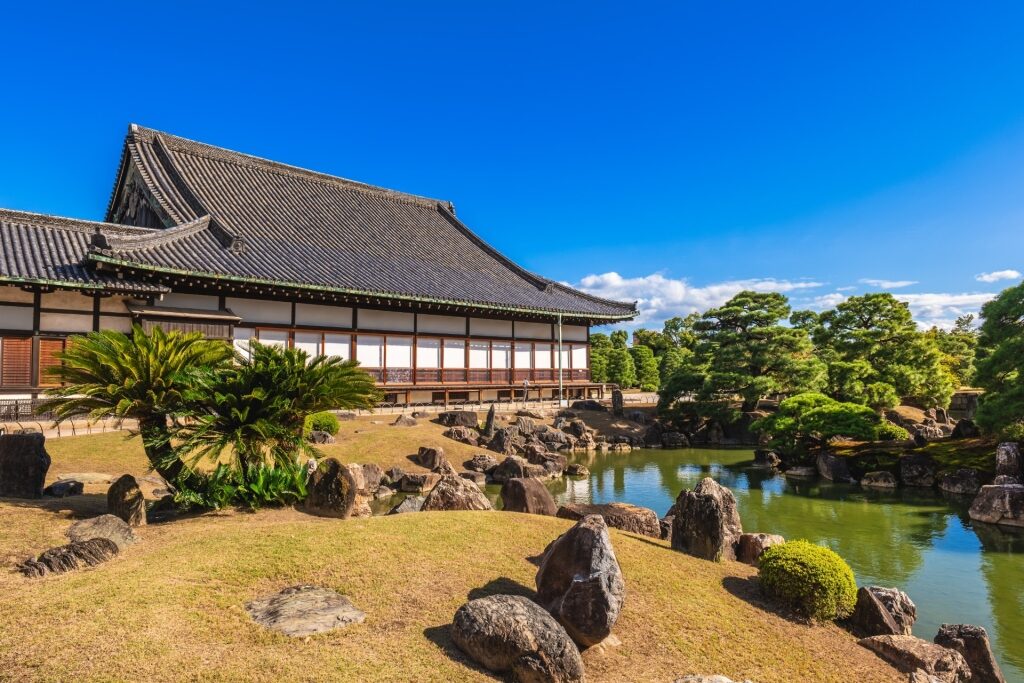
column 305, row 610
column 88, row 477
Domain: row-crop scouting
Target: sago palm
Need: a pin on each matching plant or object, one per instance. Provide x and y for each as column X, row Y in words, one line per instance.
column 137, row 376
column 256, row 408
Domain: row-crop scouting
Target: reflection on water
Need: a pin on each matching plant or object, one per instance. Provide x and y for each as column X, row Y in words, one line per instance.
column 918, row 540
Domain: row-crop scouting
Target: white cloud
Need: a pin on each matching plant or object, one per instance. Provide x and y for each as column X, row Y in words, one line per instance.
column 659, row 298
column 826, row 301
column 887, row 284
column 942, row 310
column 849, row 288
column 997, row 275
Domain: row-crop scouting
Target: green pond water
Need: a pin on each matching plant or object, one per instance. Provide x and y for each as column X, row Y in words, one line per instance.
column 920, row 541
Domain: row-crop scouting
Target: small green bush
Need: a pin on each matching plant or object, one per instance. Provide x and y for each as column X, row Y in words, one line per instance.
column 887, row 431
column 809, row 578
column 224, row 487
column 323, row 422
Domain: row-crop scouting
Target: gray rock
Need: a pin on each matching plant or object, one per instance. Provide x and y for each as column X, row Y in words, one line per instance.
column 588, row 404
column 833, row 467
column 64, row 488
column 1008, row 460
column 622, row 516
column 393, row 475
column 529, row 496
column 577, row 428
column 879, row 480
column 109, row 527
column 973, row 644
column 526, row 425
column 332, row 490
column 508, row 440
column 576, row 469
column 515, row 467
column 453, row 492
column 917, row 470
column 766, row 458
column 124, row 500
column 965, row 482
column 580, row 583
column 707, row 522
column 320, row 437
column 478, row 478
column 430, row 457
column 66, row 558
column 617, row 402
column 883, row 612
column 510, row 634
column 666, row 527
column 1005, row 479
column 404, row 420
column 999, row 505
column 304, row 610
column 481, row 462
column 466, row 435
column 460, row 418
column 750, row 547
column 409, row 504
column 910, row 654
column 373, row 477
column 23, row 465
column 966, row 429
column 418, row 483
column 898, row 605
column 489, row 422
column 556, row 438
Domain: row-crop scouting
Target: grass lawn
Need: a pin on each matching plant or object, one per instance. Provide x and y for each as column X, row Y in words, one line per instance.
column 950, row 454
column 172, row 606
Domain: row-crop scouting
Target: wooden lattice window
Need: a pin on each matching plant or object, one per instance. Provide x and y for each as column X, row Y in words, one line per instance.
column 16, row 362
column 49, row 361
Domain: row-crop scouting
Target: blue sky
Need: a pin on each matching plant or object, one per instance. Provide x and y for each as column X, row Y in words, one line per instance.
column 666, row 152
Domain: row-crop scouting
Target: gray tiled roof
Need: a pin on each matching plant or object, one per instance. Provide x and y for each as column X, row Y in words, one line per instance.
column 271, row 222
column 48, row 250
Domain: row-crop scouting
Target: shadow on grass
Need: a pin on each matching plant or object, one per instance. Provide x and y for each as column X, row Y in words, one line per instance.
column 749, row 590
column 502, row 586
column 81, row 506
column 441, row 637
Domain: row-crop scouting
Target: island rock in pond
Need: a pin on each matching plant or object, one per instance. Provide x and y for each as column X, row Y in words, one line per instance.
column 707, row 522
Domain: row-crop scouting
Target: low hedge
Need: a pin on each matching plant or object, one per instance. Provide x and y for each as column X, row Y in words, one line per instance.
column 811, row 579
column 323, row 422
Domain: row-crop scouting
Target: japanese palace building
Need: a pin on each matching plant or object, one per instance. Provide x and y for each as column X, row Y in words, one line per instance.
column 199, row 238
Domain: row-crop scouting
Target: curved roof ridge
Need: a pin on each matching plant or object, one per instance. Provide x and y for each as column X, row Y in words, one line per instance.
column 585, row 295
column 194, row 147
column 33, row 218
column 155, row 238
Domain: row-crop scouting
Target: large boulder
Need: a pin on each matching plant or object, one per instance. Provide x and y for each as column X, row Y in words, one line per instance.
column 879, row 480
column 373, row 477
column 999, row 505
column 418, row 483
column 910, row 654
column 304, row 610
column 580, row 583
column 622, row 516
column 124, row 500
column 23, row 465
column 430, row 457
column 526, row 425
column 577, row 428
column 529, row 496
column 707, row 522
column 588, row 404
column 408, row 504
column 510, row 634
column 320, row 437
column 883, row 612
column 966, row 429
column 965, row 481
column 460, row 418
column 766, row 458
column 1008, row 460
column 750, row 547
column 481, row 462
column 66, row 558
column 332, row 490
column 833, row 467
column 489, row 422
column 556, row 438
column 515, row 467
column 109, row 527
column 404, row 420
column 972, row 643
column 508, row 440
column 466, row 435
column 455, row 493
column 917, row 470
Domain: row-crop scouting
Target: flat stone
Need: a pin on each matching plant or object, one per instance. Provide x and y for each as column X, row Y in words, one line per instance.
column 404, row 421
column 88, row 477
column 110, row 527
column 510, row 634
column 66, row 558
column 64, row 488
column 999, row 505
column 408, row 504
column 879, row 480
column 622, row 516
column 910, row 654
column 304, row 611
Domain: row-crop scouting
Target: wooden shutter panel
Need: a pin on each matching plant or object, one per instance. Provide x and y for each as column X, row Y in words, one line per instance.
column 48, row 360
column 16, row 362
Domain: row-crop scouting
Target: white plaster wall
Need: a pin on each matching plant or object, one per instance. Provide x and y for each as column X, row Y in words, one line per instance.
column 71, row 300
column 439, row 324
column 533, row 330
column 316, row 315
column 421, row 396
column 203, row 302
column 65, row 322
column 574, row 333
column 428, row 353
column 391, row 321
column 114, row 304
column 579, row 357
column 109, row 322
column 15, row 318
column 484, row 327
column 256, row 311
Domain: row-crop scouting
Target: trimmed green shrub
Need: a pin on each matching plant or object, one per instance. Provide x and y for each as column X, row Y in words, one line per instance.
column 323, row 422
column 811, row 579
column 887, row 431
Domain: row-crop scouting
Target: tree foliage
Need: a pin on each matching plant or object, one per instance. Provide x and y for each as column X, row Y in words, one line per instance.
column 646, row 367
column 958, row 347
column 621, row 369
column 600, row 347
column 1000, row 364
column 807, row 422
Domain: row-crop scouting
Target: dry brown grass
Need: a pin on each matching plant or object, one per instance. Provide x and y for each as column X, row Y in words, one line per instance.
column 172, row 606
